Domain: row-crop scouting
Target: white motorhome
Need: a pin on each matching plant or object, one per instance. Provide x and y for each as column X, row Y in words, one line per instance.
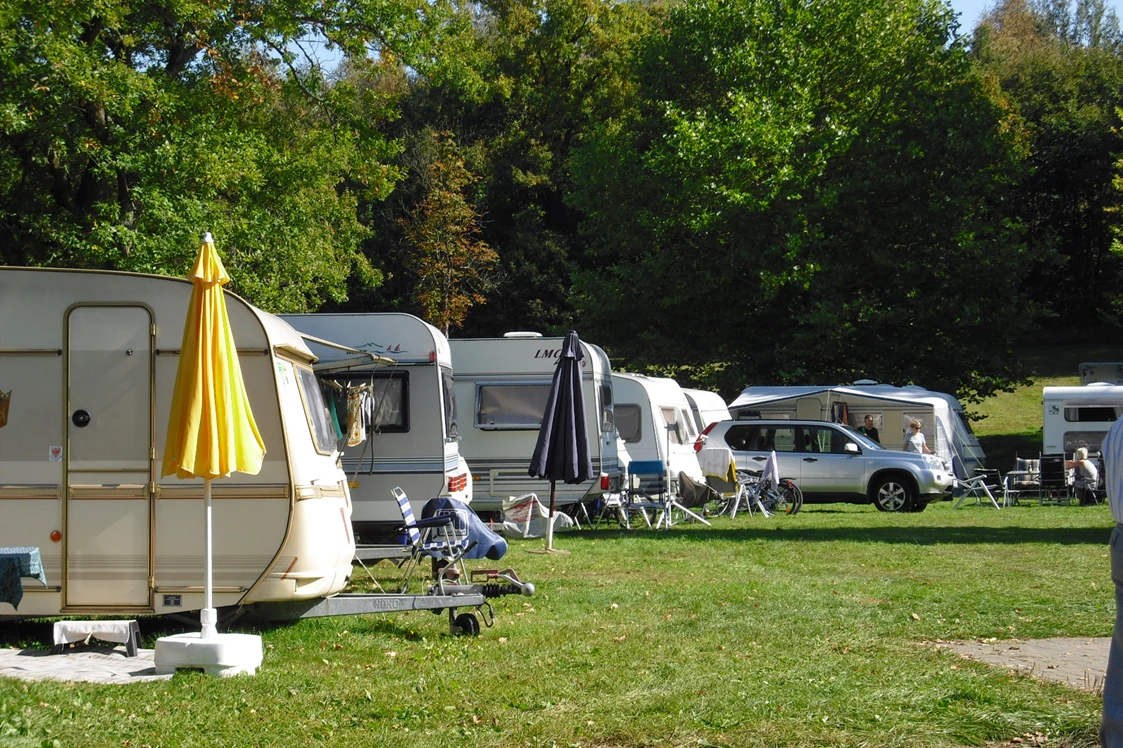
column 412, row 440
column 1077, row 417
column 706, row 407
column 505, row 382
column 88, row 360
column 654, row 420
column 943, row 420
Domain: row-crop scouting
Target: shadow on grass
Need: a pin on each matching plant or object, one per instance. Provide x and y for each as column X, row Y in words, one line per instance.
column 1002, row 449
column 902, row 535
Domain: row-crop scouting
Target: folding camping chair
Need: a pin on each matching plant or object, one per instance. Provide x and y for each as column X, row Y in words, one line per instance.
column 1056, row 485
column 720, row 470
column 982, row 484
column 648, row 492
column 443, row 539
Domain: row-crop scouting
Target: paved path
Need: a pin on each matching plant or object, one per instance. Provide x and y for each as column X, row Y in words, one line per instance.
column 92, row 665
column 1079, row 663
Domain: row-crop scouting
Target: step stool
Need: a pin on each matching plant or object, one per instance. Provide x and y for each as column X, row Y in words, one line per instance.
column 123, row 632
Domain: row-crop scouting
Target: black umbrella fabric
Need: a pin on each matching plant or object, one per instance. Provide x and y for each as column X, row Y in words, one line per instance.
column 562, row 451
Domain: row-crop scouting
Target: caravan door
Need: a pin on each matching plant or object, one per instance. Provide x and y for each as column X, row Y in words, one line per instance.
column 109, row 457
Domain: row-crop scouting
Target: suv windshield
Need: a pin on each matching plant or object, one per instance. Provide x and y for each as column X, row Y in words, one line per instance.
column 865, row 441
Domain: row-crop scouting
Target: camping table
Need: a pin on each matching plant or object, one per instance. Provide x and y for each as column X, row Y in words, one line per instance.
column 15, row 564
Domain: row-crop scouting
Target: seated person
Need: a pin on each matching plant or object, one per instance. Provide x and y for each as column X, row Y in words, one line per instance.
column 1086, row 472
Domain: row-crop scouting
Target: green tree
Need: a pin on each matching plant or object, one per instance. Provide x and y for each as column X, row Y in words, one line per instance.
column 519, row 84
column 1058, row 67
column 452, row 265
column 129, row 127
column 803, row 195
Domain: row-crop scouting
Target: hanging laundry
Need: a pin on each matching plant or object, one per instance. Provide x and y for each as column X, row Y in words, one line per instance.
column 356, row 431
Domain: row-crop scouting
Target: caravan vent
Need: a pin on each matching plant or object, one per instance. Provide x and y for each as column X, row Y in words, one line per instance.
column 522, row 334
column 864, row 382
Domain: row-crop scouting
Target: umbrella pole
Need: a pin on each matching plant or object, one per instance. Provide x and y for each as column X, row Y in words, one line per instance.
column 550, row 521
column 208, row 616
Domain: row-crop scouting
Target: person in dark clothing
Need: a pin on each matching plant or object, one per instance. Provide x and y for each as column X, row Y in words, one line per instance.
column 870, row 430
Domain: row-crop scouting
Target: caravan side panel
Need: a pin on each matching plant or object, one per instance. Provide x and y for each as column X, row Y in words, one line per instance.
column 90, row 359
column 502, row 385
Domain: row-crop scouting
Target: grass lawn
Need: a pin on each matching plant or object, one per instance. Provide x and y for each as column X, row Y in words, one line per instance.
column 804, row 630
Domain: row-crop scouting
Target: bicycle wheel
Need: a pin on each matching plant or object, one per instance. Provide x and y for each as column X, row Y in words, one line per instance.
column 791, row 497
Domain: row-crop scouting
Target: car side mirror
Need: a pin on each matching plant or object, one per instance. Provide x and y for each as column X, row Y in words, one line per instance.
column 851, row 448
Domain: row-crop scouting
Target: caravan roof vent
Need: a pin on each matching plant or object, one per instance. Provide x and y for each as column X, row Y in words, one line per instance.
column 864, row 382
column 518, row 334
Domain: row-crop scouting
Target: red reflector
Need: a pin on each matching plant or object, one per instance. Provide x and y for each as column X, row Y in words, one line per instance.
column 701, row 440
column 604, row 485
column 457, row 482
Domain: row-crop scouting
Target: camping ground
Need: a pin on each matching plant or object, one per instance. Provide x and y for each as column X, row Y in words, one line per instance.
column 815, row 629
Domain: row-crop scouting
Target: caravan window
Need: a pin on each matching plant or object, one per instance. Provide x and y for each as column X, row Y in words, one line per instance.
column 389, row 404
column 607, row 420
column 1091, row 414
column 629, row 422
column 323, row 432
column 452, row 429
column 675, row 428
column 1090, row 440
column 511, row 406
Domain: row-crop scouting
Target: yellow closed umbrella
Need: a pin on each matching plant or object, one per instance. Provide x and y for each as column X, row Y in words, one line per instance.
column 211, row 430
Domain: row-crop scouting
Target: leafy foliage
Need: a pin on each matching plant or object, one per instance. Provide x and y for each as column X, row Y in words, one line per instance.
column 804, row 186
column 127, row 128
column 1059, row 70
column 453, row 266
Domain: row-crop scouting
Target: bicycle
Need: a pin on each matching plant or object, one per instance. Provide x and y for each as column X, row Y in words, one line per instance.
column 784, row 498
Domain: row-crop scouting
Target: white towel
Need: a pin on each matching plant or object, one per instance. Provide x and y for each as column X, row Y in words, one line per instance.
column 717, row 462
column 771, row 471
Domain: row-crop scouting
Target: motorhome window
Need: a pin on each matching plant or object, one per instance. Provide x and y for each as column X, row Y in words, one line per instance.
column 1091, row 414
column 452, row 429
column 511, row 406
column 629, row 422
column 323, row 432
column 389, row 404
column 607, row 420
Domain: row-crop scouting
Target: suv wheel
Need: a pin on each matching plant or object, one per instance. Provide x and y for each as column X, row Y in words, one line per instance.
column 893, row 495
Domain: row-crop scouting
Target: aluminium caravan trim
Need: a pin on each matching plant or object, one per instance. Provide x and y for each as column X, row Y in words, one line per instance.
column 1075, row 417
column 502, row 385
column 90, row 359
column 413, row 443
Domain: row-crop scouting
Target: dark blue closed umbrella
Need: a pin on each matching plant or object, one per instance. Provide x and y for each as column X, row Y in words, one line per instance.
column 562, row 451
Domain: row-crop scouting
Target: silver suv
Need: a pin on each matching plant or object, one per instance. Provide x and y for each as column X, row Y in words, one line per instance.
column 833, row 462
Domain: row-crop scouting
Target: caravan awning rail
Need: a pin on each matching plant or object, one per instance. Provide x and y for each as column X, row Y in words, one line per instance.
column 355, row 359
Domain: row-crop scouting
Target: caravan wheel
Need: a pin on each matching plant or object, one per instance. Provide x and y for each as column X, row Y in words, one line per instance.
column 466, row 624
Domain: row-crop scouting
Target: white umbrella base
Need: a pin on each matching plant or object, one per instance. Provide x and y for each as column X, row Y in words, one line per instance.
column 222, row 654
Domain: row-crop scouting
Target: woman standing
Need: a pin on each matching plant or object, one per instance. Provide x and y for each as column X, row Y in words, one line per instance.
column 915, row 441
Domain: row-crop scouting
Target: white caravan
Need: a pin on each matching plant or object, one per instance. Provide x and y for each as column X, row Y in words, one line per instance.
column 654, row 420
column 1077, row 417
column 503, row 384
column 943, row 421
column 412, row 441
column 706, row 407
column 88, row 360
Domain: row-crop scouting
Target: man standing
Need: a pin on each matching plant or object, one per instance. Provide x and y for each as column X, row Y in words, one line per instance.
column 1111, row 724
column 869, row 430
